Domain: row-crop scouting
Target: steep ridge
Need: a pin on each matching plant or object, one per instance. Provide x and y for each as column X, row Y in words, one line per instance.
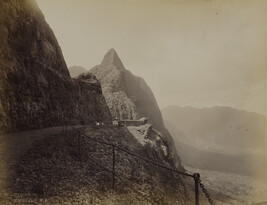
column 35, row 86
column 136, row 98
column 129, row 97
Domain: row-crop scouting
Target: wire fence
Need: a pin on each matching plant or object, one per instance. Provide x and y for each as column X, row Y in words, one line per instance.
column 118, row 148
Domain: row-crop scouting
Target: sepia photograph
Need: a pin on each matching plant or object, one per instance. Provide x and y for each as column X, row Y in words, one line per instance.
column 133, row 102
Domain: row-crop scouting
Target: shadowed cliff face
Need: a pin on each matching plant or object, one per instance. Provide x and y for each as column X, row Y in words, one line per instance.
column 35, row 86
column 129, row 97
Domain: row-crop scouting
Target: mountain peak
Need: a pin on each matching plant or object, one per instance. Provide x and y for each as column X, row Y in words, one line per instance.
column 112, row 50
column 112, row 59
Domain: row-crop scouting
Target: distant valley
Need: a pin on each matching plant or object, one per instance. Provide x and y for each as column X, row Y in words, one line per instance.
column 218, row 138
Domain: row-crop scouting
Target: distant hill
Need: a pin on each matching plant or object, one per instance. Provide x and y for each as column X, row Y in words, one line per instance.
column 218, row 127
column 218, row 138
column 76, row 70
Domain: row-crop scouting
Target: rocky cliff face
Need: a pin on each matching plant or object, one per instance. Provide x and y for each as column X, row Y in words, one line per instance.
column 129, row 97
column 35, row 86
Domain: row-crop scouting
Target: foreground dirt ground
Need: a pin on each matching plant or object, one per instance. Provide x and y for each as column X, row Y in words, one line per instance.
column 40, row 166
column 14, row 145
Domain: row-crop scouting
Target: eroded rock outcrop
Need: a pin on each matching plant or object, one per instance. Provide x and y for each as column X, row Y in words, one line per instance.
column 36, row 89
column 129, row 97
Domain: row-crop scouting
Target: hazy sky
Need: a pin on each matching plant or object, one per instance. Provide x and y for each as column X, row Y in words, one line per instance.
column 191, row 53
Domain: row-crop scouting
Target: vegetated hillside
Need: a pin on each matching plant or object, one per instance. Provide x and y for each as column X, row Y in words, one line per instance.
column 55, row 170
column 129, row 97
column 76, row 70
column 36, row 89
column 218, row 138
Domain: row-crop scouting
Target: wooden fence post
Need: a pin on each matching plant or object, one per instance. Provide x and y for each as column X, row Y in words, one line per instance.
column 196, row 178
column 113, row 167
